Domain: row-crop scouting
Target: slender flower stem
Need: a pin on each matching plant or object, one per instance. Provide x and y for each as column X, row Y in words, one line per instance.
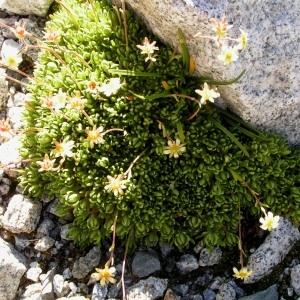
column 125, row 22
column 112, row 248
column 240, row 239
column 88, row 117
column 133, row 163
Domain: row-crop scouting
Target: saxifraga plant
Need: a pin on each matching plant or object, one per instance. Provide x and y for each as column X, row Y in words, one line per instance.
column 115, row 166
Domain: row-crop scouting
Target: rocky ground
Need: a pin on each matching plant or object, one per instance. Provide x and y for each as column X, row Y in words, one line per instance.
column 38, row 261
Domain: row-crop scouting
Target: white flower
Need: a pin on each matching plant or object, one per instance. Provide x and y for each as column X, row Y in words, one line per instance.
column 116, row 185
column 243, row 40
column 270, row 221
column 59, row 100
column 228, row 54
column 174, row 148
column 46, row 164
column 148, row 48
column 63, row 148
column 76, row 102
column 11, row 57
column 111, row 87
column 95, row 136
column 207, row 94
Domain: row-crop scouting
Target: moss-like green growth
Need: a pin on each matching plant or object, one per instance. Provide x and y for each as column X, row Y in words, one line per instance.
column 192, row 197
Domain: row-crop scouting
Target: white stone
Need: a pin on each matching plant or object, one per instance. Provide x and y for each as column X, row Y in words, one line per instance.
column 12, row 267
column 268, row 94
column 22, row 214
column 273, row 250
column 29, row 7
column 33, row 273
column 44, row 243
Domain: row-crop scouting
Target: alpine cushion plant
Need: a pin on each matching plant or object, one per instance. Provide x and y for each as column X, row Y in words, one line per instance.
column 120, row 137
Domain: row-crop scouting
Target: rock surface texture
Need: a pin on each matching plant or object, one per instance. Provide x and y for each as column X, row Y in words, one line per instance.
column 268, row 94
column 37, row 258
column 30, row 7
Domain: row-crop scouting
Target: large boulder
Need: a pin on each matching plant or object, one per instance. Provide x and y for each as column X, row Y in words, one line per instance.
column 29, row 7
column 268, row 94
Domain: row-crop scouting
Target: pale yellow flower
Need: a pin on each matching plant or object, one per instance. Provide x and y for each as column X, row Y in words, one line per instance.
column 116, row 185
column 207, row 94
column 12, row 59
column 243, row 273
column 111, row 87
column 174, row 148
column 228, row 54
column 105, row 275
column 76, row 102
column 95, row 136
column 243, row 40
column 46, row 164
column 59, row 100
column 63, row 149
column 221, row 27
column 269, row 222
column 148, row 48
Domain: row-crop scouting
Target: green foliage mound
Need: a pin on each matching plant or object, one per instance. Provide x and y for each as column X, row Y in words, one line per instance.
column 179, row 200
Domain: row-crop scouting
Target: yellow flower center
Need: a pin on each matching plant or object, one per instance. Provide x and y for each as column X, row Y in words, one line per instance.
column 228, row 57
column 269, row 224
column 105, row 274
column 59, row 148
column 93, row 135
column 174, row 148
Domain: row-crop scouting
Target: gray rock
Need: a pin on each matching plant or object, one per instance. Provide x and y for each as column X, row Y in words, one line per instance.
column 150, row 289
column 268, row 294
column 72, row 298
column 22, row 241
column 267, row 95
column 45, row 227
column 86, row 264
column 295, row 279
column 16, row 110
column 22, row 214
column 30, row 7
column 113, row 291
column 64, row 232
column 187, row 263
column 226, row 292
column 145, row 263
column 99, row 292
column 3, row 89
column 273, row 250
column 195, row 297
column 209, row 258
column 44, row 243
column 165, row 249
column 4, row 189
column 13, row 265
column 208, row 294
column 180, row 289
